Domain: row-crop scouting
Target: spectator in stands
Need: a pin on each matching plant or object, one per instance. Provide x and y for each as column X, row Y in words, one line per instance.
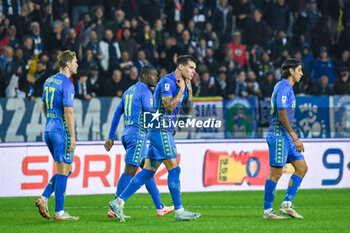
column 256, row 32
column 341, row 85
column 262, row 66
column 99, row 21
column 239, row 52
column 109, row 52
column 160, row 35
column 128, row 44
column 4, row 38
column 37, row 37
column 243, row 10
column 241, row 85
column 114, row 86
column 281, row 42
column 210, row 61
column 94, row 45
column 59, row 8
column 83, row 29
column 132, row 78
column 184, row 44
column 223, row 21
column 13, row 41
column 313, row 15
column 321, row 87
column 116, row 24
column 88, row 61
column 150, row 11
column 8, row 67
column 200, row 14
column 278, row 16
column 21, row 63
column 66, row 27
column 307, row 59
column 210, row 36
column 82, row 87
column 125, row 62
column 168, row 53
column 141, row 61
column 231, row 65
column 323, row 67
column 267, row 85
column 73, row 44
column 95, row 82
column 207, row 84
column 223, row 87
column 343, row 63
column 253, row 87
column 79, row 8
column 54, row 38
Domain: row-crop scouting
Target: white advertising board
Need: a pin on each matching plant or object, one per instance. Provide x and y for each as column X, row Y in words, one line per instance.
column 206, row 165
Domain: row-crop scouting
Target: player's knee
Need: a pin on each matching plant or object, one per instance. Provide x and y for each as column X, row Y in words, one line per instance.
column 130, row 170
column 275, row 174
column 303, row 170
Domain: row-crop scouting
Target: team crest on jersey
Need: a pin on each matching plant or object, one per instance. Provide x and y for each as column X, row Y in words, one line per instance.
column 284, row 99
column 167, row 87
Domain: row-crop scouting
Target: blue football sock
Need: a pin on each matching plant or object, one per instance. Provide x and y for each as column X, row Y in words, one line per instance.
column 122, row 183
column 136, row 183
column 50, row 187
column 60, row 189
column 174, row 186
column 292, row 190
column 154, row 192
column 270, row 192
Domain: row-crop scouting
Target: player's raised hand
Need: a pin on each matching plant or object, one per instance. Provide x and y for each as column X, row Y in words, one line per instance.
column 189, row 85
column 299, row 145
column 108, row 144
column 181, row 83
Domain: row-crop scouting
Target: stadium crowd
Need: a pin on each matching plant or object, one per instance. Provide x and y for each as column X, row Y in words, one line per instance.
column 239, row 44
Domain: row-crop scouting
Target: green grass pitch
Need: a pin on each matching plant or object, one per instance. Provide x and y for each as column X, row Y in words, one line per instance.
column 324, row 211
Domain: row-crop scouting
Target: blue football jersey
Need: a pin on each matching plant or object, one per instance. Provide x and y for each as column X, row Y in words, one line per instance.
column 282, row 99
column 135, row 101
column 167, row 87
column 58, row 93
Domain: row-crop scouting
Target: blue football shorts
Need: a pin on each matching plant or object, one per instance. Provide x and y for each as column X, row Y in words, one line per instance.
column 58, row 144
column 162, row 145
column 282, row 150
column 135, row 148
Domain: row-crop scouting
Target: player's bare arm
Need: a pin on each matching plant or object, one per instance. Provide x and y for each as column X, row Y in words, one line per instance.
column 187, row 107
column 69, row 114
column 171, row 103
column 43, row 107
column 285, row 122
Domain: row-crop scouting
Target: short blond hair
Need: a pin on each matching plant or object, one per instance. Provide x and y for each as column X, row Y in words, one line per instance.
column 65, row 56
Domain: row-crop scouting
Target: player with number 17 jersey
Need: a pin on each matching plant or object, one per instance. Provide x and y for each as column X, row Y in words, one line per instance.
column 58, row 92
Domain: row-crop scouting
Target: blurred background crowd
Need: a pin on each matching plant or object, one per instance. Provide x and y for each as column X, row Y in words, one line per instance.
column 239, row 44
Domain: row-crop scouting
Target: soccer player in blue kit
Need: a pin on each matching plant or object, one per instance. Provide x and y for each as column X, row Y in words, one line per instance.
column 284, row 144
column 172, row 92
column 135, row 101
column 57, row 106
